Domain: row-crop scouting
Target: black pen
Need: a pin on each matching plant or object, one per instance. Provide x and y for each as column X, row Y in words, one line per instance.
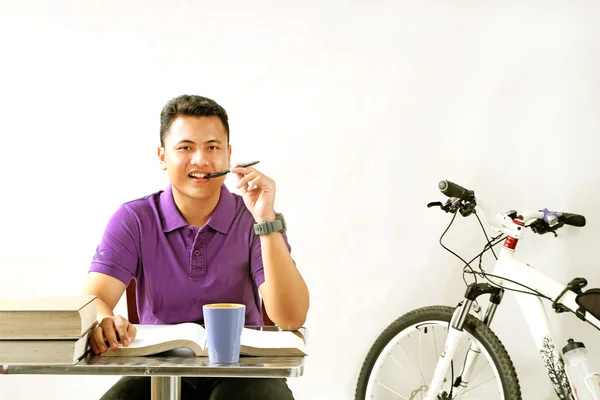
column 225, row 172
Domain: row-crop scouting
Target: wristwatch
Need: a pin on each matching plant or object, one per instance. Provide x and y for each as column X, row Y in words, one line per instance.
column 264, row 228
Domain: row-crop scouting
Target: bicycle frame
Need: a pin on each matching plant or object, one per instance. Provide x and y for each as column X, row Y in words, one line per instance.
column 535, row 315
column 507, row 269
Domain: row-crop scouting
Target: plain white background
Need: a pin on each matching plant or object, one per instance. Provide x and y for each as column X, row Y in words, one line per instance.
column 356, row 109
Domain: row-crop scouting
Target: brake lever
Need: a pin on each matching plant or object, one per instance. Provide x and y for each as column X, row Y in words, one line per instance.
column 435, row 204
column 449, row 207
column 541, row 228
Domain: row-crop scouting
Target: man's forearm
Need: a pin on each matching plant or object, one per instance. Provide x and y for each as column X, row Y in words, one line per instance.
column 103, row 309
column 286, row 295
column 108, row 291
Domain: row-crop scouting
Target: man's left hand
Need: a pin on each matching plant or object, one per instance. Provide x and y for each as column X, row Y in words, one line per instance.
column 258, row 192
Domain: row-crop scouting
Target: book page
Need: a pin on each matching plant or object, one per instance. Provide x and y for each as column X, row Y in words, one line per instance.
column 272, row 340
column 149, row 335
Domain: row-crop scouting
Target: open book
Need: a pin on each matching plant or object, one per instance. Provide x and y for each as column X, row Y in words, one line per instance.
column 153, row 339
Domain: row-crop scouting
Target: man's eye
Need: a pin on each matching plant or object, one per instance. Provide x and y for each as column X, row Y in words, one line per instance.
column 212, row 147
column 185, row 148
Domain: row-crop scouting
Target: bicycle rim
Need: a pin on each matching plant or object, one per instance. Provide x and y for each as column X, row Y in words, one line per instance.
column 404, row 367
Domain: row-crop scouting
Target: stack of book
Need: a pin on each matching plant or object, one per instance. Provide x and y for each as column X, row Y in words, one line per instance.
column 46, row 330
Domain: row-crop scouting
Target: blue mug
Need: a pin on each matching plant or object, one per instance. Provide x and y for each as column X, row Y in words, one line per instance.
column 224, row 323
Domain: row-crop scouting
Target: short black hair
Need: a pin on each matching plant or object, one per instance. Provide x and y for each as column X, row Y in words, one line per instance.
column 192, row 105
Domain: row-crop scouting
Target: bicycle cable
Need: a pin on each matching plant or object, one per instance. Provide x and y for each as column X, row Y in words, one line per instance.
column 467, row 265
column 532, row 292
column 495, row 241
column 485, row 274
column 488, row 246
column 486, row 237
column 451, row 377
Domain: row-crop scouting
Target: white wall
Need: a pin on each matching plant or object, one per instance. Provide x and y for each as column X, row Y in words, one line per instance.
column 356, row 109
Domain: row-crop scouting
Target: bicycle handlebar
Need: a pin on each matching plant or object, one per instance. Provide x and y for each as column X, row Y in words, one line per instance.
column 572, row 219
column 552, row 220
column 451, row 189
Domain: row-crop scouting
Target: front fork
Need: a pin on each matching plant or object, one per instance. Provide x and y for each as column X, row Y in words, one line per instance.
column 455, row 333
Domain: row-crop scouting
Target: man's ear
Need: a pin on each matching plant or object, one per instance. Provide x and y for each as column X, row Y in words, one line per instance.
column 229, row 155
column 161, row 158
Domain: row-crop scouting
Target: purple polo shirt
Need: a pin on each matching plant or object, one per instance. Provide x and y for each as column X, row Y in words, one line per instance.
column 179, row 268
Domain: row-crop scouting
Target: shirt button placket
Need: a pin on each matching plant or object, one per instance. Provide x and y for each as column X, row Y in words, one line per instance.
column 202, row 254
column 198, row 267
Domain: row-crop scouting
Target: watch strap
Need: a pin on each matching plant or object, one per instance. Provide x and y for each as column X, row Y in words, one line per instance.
column 264, row 228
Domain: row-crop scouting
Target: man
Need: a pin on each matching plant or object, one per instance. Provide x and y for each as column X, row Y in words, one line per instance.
column 196, row 243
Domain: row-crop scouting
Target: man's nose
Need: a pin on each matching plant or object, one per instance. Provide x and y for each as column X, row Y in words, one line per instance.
column 198, row 157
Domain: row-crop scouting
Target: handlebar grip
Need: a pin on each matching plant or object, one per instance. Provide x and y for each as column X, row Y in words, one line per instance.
column 572, row 219
column 451, row 189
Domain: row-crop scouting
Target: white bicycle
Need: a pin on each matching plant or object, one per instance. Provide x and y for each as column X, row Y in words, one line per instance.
column 441, row 352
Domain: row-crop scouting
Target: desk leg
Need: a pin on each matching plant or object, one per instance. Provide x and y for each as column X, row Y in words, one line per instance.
column 166, row 387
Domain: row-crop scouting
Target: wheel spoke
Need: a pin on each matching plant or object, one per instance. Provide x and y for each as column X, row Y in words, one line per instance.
column 408, row 361
column 470, row 388
column 400, row 366
column 473, row 379
column 420, row 369
column 437, row 355
column 487, row 396
column 478, row 372
column 394, row 392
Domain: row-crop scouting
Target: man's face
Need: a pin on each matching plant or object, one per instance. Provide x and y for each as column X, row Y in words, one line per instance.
column 194, row 147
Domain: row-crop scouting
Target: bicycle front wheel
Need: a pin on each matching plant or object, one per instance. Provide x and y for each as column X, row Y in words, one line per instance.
column 401, row 362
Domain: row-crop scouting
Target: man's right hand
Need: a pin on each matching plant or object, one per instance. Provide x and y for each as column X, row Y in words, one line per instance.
column 110, row 331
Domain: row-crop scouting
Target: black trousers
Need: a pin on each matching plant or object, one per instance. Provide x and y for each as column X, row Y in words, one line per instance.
column 138, row 388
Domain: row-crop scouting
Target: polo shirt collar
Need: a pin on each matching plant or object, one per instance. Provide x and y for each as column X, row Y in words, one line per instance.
column 172, row 218
column 220, row 220
column 222, row 217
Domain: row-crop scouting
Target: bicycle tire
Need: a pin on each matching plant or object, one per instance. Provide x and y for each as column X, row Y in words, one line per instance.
column 480, row 332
